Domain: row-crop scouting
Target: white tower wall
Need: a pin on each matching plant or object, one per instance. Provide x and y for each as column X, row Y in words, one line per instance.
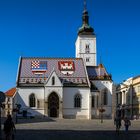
column 86, row 49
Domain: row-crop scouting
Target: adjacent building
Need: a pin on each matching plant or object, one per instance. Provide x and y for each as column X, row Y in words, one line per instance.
column 128, row 97
column 9, row 101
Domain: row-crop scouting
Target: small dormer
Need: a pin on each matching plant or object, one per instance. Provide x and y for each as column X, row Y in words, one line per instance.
column 53, row 80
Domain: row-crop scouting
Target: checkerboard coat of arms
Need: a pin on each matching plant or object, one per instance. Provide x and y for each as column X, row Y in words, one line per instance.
column 66, row 67
column 38, row 67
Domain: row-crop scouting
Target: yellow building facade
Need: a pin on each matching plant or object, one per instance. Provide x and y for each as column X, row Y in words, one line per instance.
column 127, row 96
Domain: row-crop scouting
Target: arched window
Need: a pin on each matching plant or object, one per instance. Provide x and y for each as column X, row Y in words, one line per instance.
column 77, row 101
column 32, row 100
column 105, row 97
column 53, row 80
column 87, row 59
column 87, row 48
column 93, row 101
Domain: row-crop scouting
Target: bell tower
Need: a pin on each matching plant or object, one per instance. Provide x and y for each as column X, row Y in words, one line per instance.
column 86, row 41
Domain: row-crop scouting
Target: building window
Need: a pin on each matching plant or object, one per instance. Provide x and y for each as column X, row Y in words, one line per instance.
column 8, row 99
column 8, row 106
column 93, row 101
column 105, row 97
column 120, row 98
column 87, row 49
column 77, row 101
column 87, row 59
column 53, row 80
column 32, row 100
column 117, row 102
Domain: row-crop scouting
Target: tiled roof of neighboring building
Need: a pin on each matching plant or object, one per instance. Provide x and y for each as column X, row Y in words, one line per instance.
column 35, row 71
column 10, row 92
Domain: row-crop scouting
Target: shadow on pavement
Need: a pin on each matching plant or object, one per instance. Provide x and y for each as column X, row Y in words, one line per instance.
column 33, row 120
column 75, row 135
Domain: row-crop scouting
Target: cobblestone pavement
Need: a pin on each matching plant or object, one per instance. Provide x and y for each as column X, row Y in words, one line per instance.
column 70, row 129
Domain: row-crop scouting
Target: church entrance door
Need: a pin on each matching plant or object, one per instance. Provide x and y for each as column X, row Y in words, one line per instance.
column 53, row 105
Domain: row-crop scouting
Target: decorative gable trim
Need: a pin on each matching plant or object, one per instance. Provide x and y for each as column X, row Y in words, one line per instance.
column 53, row 73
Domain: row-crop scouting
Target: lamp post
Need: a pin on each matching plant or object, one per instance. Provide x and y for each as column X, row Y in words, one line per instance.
column 101, row 110
column 16, row 110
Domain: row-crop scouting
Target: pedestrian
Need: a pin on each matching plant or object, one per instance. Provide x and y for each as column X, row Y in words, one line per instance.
column 117, row 122
column 9, row 128
column 127, row 123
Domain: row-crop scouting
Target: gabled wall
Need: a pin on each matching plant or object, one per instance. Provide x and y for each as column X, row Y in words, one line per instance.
column 22, row 97
column 69, row 111
column 102, row 85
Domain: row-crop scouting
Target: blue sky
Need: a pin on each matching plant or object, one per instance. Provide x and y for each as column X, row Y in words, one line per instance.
column 49, row 28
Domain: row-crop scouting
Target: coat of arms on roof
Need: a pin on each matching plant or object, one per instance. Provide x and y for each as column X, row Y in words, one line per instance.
column 66, row 67
column 38, row 67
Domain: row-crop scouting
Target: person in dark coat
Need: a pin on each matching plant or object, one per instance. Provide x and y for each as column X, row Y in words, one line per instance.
column 9, row 128
column 117, row 122
column 127, row 123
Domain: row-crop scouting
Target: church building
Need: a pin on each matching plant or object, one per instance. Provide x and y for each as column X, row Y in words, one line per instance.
column 76, row 88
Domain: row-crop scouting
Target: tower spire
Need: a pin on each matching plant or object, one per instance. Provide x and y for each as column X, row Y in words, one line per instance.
column 86, row 29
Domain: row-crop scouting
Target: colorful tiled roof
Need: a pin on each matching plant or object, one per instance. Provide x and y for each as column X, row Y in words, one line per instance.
column 98, row 73
column 71, row 71
column 10, row 92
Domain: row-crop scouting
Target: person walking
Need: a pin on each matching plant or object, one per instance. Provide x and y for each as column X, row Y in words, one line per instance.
column 9, row 128
column 127, row 123
column 117, row 122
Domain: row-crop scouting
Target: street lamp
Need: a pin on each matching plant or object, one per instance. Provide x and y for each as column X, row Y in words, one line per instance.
column 17, row 109
column 101, row 110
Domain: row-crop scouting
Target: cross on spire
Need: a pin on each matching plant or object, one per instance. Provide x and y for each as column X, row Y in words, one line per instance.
column 85, row 5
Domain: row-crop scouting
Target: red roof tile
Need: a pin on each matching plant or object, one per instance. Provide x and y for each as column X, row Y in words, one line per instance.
column 10, row 92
